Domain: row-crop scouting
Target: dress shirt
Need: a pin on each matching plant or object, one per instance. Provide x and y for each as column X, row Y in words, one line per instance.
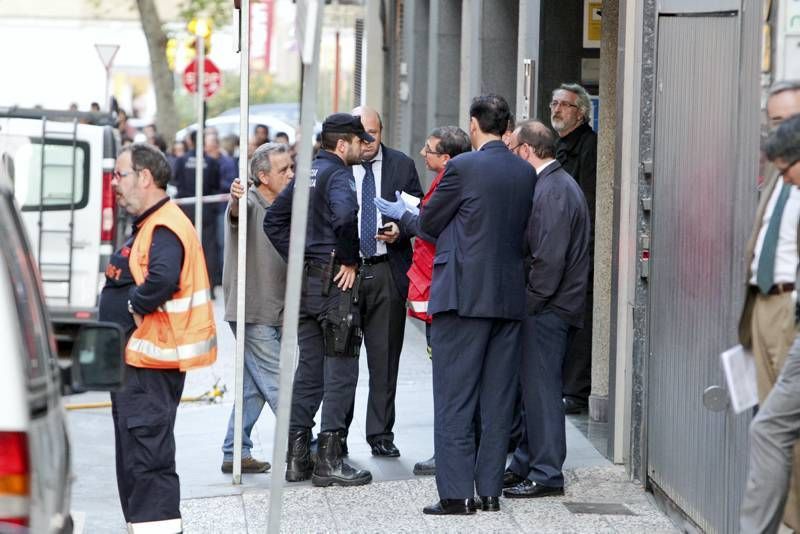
column 786, row 256
column 544, row 166
column 359, row 172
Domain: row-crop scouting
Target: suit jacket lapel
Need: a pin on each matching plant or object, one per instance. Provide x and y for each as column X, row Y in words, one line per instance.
column 387, row 176
column 769, row 187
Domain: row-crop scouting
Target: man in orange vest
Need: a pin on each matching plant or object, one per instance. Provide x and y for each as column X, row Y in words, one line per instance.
column 157, row 289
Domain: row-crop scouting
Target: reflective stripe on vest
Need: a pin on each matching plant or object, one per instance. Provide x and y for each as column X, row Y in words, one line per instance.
column 166, row 526
column 182, row 305
column 169, row 354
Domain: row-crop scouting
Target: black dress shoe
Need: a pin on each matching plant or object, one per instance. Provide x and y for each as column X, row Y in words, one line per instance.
column 530, row 490
column 384, row 447
column 428, row 467
column 490, row 504
column 451, row 507
column 574, row 406
column 511, row 479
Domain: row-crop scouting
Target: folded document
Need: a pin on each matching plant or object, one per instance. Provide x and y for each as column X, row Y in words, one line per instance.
column 740, row 374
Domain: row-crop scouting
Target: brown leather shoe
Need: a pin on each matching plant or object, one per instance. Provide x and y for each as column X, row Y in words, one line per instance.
column 249, row 465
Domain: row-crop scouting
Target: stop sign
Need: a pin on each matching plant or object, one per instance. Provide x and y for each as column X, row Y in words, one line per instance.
column 211, row 83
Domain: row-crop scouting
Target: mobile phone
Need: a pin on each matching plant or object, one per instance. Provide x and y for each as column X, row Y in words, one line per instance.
column 384, row 229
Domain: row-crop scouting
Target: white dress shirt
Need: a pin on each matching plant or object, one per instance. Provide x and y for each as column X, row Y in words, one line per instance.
column 786, row 257
column 543, row 167
column 359, row 172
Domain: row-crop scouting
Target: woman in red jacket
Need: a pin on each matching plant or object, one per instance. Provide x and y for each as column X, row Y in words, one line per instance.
column 443, row 144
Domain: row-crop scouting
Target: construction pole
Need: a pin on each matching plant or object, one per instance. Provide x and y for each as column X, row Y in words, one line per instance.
column 199, row 160
column 312, row 17
column 241, row 265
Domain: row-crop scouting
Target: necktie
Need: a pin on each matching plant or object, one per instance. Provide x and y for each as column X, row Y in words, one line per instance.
column 369, row 220
column 765, row 275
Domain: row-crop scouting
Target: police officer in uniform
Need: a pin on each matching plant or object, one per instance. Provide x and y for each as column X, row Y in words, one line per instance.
column 329, row 330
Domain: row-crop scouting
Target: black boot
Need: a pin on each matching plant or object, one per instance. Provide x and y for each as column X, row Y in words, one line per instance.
column 299, row 464
column 330, row 469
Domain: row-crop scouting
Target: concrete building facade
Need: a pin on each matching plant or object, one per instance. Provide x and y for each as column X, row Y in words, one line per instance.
column 669, row 76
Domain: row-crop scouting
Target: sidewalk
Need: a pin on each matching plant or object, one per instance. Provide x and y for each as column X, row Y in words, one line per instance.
column 392, row 503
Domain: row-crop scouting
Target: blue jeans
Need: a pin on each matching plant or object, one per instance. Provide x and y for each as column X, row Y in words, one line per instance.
column 262, row 348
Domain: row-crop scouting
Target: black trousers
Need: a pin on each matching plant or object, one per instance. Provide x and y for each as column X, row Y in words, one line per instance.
column 144, row 423
column 475, row 369
column 383, row 315
column 577, row 368
column 543, row 448
column 329, row 381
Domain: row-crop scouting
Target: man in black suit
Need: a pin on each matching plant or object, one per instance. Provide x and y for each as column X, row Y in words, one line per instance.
column 385, row 256
column 557, row 251
column 477, row 215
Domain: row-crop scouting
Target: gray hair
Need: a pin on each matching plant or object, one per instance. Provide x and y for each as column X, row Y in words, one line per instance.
column 784, row 85
column 261, row 163
column 584, row 103
column 452, row 140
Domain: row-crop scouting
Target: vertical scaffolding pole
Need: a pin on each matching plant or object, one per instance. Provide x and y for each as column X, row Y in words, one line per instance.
column 241, row 265
column 309, row 16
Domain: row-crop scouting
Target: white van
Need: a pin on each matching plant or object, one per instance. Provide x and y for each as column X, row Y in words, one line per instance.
column 35, row 471
column 60, row 171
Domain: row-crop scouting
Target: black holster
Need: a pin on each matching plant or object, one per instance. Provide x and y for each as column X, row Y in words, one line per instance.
column 341, row 327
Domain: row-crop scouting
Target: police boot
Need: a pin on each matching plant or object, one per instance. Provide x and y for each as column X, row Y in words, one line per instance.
column 330, row 469
column 299, row 464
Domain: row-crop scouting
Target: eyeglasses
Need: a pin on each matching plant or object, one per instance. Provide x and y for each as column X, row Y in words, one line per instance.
column 515, row 147
column 562, row 103
column 120, row 175
column 428, row 151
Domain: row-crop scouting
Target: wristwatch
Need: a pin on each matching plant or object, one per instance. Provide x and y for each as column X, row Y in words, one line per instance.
column 130, row 308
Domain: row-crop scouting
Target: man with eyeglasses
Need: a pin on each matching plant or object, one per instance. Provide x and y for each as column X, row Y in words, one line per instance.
column 576, row 151
column 443, row 144
column 157, row 290
column 767, row 321
column 776, row 428
column 265, row 286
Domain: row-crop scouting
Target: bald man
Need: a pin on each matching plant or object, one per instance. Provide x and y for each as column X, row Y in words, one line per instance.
column 386, row 257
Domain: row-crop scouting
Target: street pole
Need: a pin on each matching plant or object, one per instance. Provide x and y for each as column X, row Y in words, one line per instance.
column 200, row 161
column 297, row 243
column 241, row 272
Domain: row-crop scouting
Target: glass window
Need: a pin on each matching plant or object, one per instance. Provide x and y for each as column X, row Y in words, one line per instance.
column 32, row 319
column 21, row 160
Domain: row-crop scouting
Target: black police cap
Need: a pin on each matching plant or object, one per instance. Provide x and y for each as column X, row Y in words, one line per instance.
column 347, row 124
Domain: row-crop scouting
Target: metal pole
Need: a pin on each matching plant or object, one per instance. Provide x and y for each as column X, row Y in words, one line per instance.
column 199, row 160
column 297, row 241
column 241, row 265
column 108, row 82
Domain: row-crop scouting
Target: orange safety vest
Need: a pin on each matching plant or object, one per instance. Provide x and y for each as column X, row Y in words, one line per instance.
column 181, row 333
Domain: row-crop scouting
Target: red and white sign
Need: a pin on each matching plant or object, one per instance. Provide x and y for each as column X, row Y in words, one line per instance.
column 211, row 83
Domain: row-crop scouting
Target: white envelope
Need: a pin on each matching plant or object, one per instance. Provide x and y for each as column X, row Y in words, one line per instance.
column 740, row 374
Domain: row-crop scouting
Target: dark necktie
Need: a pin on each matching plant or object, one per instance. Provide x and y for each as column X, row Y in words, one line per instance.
column 369, row 222
column 765, row 273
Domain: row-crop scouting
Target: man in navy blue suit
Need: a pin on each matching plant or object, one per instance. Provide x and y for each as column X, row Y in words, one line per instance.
column 557, row 248
column 478, row 216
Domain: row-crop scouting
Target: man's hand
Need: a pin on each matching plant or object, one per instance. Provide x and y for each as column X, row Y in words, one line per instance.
column 137, row 319
column 346, row 277
column 391, row 235
column 237, row 192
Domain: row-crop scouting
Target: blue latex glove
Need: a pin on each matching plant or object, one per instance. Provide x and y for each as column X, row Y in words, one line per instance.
column 394, row 210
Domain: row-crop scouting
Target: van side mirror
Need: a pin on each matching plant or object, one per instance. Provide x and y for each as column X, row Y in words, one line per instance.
column 98, row 358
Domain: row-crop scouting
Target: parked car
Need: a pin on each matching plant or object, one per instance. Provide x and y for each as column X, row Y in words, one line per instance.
column 59, row 169
column 35, row 473
column 229, row 124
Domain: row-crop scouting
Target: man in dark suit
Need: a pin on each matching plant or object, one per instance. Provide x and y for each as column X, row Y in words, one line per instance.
column 385, row 256
column 557, row 246
column 477, row 216
column 576, row 151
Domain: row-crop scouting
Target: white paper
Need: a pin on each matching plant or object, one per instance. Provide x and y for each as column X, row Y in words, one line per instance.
column 740, row 374
column 411, row 202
